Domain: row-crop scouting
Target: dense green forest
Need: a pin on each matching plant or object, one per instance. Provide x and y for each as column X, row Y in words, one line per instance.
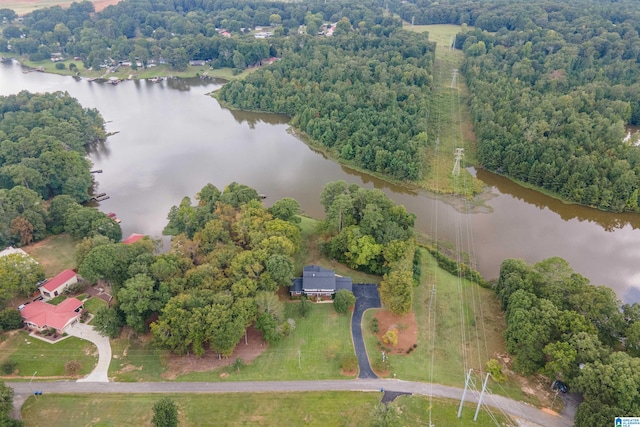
column 361, row 96
column 367, row 231
column 562, row 326
column 43, row 139
column 552, row 86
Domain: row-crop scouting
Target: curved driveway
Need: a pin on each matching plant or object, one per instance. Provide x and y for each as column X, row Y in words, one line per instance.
column 367, row 296
column 86, row 332
column 520, row 410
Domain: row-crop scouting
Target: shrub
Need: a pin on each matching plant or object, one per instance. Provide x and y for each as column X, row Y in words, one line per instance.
column 495, row 369
column 343, row 301
column 8, row 367
column 72, row 367
column 10, row 318
column 305, row 306
column 374, row 325
column 349, row 362
column 391, row 337
column 60, row 66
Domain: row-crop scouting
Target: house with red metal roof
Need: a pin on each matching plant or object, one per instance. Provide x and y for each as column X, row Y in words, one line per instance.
column 54, row 287
column 132, row 238
column 41, row 315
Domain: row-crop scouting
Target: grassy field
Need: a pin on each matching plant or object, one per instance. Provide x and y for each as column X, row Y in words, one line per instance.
column 449, row 119
column 321, row 339
column 294, row 409
column 22, row 7
column 31, row 355
column 55, row 253
column 460, row 309
column 92, row 305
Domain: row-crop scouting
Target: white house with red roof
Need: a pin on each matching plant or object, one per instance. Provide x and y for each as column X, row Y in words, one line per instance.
column 54, row 287
column 41, row 315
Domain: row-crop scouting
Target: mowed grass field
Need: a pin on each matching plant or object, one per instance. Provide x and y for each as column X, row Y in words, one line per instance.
column 55, row 253
column 48, row 360
column 459, row 328
column 449, row 119
column 22, row 7
column 264, row 409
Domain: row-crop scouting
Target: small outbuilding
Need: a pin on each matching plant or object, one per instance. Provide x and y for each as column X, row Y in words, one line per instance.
column 317, row 281
column 56, row 286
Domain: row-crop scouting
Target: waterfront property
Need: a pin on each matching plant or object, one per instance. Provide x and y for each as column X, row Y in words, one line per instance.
column 319, row 282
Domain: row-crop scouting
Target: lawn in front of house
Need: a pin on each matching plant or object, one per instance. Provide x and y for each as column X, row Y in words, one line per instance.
column 136, row 359
column 55, row 253
column 462, row 331
column 313, row 351
column 331, row 408
column 33, row 355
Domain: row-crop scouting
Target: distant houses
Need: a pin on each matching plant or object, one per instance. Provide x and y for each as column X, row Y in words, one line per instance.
column 134, row 237
column 319, row 282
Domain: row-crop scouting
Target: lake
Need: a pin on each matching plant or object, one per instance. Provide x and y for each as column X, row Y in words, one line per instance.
column 170, row 139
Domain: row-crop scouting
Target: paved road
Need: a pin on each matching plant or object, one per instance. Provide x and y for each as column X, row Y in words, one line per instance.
column 366, row 297
column 86, row 332
column 530, row 414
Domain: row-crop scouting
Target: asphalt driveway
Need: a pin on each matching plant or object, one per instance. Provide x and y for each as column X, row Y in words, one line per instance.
column 367, row 296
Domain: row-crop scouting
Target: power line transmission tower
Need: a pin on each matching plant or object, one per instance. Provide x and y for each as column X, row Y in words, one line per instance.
column 454, row 79
column 464, row 393
column 456, row 166
column 484, row 387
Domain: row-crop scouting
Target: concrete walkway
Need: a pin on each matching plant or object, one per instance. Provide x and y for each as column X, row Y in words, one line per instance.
column 530, row 414
column 86, row 332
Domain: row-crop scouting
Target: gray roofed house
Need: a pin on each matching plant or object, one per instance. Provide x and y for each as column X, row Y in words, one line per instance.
column 318, row 281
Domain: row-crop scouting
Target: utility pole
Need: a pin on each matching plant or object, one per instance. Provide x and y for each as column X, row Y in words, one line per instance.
column 456, row 166
column 464, row 393
column 413, row 19
column 454, row 79
column 484, row 387
column 30, row 381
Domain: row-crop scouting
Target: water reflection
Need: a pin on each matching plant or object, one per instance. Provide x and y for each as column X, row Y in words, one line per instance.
column 253, row 118
column 607, row 220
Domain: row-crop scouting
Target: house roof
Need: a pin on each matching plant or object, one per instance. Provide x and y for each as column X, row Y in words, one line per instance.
column 134, row 237
column 52, row 316
column 11, row 250
column 55, row 283
column 315, row 278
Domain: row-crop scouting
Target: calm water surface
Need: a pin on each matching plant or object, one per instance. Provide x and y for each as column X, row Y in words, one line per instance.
column 172, row 139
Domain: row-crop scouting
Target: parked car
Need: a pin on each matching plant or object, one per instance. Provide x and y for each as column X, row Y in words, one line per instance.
column 559, row 386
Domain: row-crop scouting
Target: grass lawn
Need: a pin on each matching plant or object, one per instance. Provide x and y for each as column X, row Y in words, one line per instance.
column 92, row 305
column 31, row 355
column 55, row 253
column 135, row 359
column 454, row 303
column 449, row 118
column 322, row 338
column 310, row 254
column 292, row 409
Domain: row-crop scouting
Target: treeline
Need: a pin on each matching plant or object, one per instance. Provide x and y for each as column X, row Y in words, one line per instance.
column 43, row 139
column 172, row 31
column 560, row 325
column 361, row 96
column 553, row 86
column 367, row 231
column 228, row 257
